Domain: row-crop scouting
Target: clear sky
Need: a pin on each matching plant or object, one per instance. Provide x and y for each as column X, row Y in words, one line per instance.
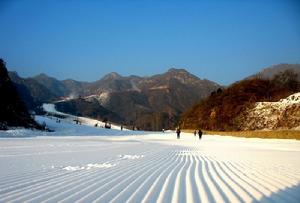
column 221, row 40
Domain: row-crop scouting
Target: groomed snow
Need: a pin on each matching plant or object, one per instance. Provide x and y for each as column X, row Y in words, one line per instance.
column 145, row 167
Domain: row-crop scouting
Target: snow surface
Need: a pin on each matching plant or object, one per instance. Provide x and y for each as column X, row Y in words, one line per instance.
column 50, row 108
column 131, row 166
column 281, row 104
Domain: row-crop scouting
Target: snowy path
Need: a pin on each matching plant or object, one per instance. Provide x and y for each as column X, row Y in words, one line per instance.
column 152, row 168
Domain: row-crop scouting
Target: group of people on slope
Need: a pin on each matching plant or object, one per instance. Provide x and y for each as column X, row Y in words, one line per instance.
column 199, row 132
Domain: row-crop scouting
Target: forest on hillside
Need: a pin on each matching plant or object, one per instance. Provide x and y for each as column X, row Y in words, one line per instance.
column 222, row 109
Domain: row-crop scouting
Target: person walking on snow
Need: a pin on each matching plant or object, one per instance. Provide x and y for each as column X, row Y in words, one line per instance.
column 178, row 133
column 200, row 134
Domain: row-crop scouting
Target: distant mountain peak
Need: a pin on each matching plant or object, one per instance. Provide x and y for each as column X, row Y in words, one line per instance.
column 112, row 75
column 42, row 75
column 177, row 70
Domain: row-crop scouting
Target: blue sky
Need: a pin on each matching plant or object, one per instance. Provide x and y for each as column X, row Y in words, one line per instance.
column 223, row 41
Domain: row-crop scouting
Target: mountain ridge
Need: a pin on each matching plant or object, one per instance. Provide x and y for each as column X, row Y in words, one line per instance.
column 137, row 100
column 151, row 103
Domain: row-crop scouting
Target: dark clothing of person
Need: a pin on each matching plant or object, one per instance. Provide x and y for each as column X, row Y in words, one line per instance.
column 200, row 134
column 195, row 133
column 178, row 133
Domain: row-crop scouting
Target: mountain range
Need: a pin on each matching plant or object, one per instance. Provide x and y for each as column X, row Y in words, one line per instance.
column 149, row 103
column 162, row 101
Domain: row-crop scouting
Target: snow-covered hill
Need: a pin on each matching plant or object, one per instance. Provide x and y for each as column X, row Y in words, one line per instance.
column 66, row 127
column 50, row 108
column 284, row 114
column 62, row 124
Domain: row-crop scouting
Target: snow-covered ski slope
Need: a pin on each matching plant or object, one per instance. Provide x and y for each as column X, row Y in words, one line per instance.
column 50, row 108
column 148, row 168
column 66, row 127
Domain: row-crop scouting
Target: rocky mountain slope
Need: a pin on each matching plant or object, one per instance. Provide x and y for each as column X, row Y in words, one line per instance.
column 154, row 102
column 13, row 112
column 92, row 109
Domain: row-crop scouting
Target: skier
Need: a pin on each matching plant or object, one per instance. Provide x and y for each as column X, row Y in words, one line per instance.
column 200, row 134
column 195, row 133
column 178, row 133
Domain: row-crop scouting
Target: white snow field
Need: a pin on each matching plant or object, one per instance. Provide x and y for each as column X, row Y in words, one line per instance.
column 80, row 163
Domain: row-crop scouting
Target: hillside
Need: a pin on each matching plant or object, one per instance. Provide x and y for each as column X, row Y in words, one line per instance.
column 32, row 92
column 92, row 109
column 270, row 72
column 229, row 109
column 284, row 114
column 13, row 112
